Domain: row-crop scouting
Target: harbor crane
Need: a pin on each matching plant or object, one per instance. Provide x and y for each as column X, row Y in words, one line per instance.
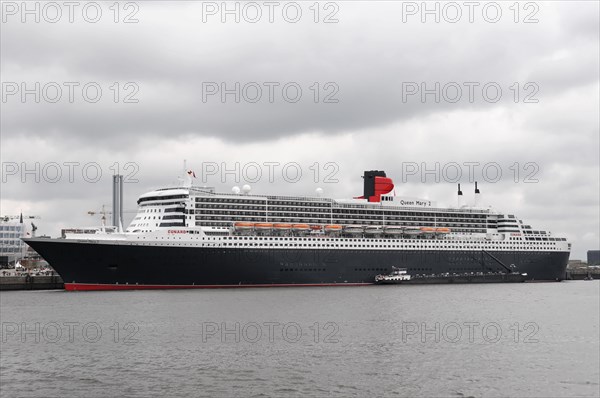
column 105, row 212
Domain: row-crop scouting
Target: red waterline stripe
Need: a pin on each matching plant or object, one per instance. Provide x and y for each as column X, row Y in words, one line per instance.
column 100, row 286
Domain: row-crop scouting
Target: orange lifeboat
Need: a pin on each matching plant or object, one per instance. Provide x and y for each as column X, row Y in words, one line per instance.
column 315, row 227
column 243, row 226
column 300, row 227
column 442, row 230
column 282, row 227
column 427, row 230
column 332, row 228
column 263, row 226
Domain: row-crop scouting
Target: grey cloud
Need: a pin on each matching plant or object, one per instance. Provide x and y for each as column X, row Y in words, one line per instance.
column 368, row 58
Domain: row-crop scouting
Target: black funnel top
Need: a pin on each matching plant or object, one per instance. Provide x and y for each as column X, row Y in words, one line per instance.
column 369, row 183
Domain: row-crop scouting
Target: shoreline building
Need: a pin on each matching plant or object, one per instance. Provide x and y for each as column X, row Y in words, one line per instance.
column 12, row 248
column 593, row 257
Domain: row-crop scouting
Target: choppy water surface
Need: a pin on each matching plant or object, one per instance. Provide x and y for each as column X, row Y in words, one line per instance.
column 466, row 340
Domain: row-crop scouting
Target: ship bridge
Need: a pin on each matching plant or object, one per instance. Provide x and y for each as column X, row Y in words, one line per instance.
column 163, row 208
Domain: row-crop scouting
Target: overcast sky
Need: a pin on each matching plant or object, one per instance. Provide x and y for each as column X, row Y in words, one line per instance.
column 361, row 69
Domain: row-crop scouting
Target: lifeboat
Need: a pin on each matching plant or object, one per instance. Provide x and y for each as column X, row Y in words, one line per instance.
column 263, row 226
column 427, row 230
column 412, row 231
column 332, row 228
column 393, row 230
column 282, row 227
column 372, row 230
column 300, row 227
column 442, row 230
column 315, row 227
column 243, row 226
column 353, row 229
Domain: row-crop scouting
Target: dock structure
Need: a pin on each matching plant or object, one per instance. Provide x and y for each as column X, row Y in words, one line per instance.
column 578, row 274
column 28, row 282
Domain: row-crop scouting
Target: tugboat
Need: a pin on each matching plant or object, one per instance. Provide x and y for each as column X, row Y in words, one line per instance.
column 397, row 275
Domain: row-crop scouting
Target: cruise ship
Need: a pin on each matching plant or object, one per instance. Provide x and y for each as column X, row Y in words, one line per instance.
column 195, row 237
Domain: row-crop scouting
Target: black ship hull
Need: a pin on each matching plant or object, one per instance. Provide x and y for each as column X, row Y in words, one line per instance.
column 102, row 266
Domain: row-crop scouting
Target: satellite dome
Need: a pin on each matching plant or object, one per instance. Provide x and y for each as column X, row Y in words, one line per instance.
column 246, row 188
column 235, row 189
column 319, row 191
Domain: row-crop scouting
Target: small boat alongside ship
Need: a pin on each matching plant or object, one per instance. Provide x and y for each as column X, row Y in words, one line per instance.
column 399, row 276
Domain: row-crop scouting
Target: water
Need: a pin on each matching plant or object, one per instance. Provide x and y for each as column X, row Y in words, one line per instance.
column 496, row 340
